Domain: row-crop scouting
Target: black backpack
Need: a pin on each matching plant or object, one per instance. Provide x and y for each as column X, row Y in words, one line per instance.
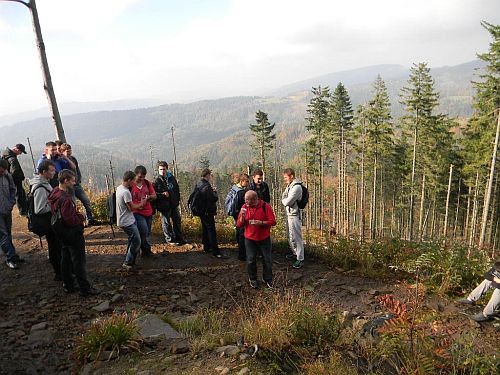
column 38, row 224
column 302, row 202
column 195, row 203
column 111, row 207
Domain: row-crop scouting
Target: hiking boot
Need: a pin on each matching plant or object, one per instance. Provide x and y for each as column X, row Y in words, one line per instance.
column 465, row 301
column 291, row 256
column 254, row 284
column 181, row 242
column 298, row 264
column 128, row 266
column 68, row 289
column 11, row 264
column 268, row 285
column 479, row 317
column 93, row 222
column 89, row 292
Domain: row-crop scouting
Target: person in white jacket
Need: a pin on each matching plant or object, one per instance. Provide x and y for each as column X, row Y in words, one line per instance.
column 290, row 198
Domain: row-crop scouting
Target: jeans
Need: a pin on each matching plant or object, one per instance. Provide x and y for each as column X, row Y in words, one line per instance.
column 252, row 247
column 82, row 196
column 6, row 237
column 73, row 262
column 55, row 251
column 172, row 232
column 209, row 235
column 22, row 203
column 295, row 236
column 144, row 226
column 494, row 301
column 134, row 243
column 167, row 228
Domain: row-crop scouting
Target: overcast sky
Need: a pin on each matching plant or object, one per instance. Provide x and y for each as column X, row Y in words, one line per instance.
column 100, row 50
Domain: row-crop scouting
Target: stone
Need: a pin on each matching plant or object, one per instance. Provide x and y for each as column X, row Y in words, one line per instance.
column 222, row 370
column 244, row 371
column 179, row 273
column 193, row 298
column 231, row 350
column 175, row 296
column 350, row 289
column 163, row 298
column 151, row 325
column 103, row 306
column 179, row 347
column 297, row 276
column 244, row 356
column 41, row 338
column 117, row 297
column 7, row 324
column 38, row 327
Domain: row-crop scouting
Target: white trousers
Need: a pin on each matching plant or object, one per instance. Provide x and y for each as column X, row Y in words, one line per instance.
column 494, row 301
column 295, row 236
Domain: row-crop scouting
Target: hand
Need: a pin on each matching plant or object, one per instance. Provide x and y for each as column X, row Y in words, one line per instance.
column 243, row 211
column 165, row 193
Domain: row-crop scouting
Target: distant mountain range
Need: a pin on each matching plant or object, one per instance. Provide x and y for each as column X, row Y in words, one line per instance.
column 218, row 129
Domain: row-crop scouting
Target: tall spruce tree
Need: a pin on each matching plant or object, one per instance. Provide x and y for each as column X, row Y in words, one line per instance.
column 264, row 137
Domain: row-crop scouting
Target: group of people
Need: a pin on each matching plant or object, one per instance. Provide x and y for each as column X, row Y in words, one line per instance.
column 57, row 184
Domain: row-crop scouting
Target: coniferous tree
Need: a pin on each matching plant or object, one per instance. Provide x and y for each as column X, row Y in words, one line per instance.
column 264, row 137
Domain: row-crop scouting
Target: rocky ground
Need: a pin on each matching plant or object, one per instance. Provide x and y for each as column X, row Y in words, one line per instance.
column 40, row 324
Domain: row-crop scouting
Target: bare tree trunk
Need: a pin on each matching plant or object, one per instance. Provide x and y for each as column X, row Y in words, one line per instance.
column 433, row 218
column 382, row 205
column 494, row 217
column 422, row 199
column 455, row 223
column 445, row 229
column 373, row 208
column 355, row 213
column 474, row 216
column 467, row 217
column 487, row 197
column 362, row 197
column 412, row 185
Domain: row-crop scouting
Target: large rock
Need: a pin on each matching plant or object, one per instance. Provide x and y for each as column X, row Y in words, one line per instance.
column 40, row 338
column 103, row 306
column 230, row 350
column 151, row 325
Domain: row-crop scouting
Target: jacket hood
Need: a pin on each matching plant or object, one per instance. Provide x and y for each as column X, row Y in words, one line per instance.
column 38, row 180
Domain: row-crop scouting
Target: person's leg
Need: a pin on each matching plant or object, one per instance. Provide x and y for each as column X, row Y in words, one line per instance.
column 212, row 234
column 134, row 243
column 82, row 196
column 143, row 231
column 149, row 223
column 296, row 235
column 493, row 303
column 6, row 237
column 22, row 203
column 291, row 240
column 77, row 251
column 165, row 226
column 251, row 255
column 267, row 260
column 480, row 290
column 240, row 237
column 55, row 252
column 176, row 224
column 66, row 268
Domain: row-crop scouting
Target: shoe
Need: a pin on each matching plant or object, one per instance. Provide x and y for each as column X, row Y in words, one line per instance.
column 181, row 242
column 93, row 222
column 465, row 301
column 479, row 317
column 291, row 256
column 68, row 289
column 254, row 284
column 89, row 292
column 220, row 256
column 128, row 266
column 268, row 285
column 298, row 264
column 12, row 265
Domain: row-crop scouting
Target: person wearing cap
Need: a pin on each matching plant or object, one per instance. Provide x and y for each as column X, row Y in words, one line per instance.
column 17, row 175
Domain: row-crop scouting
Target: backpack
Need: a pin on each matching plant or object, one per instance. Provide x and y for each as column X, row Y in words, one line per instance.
column 302, row 202
column 195, row 203
column 38, row 224
column 231, row 200
column 111, row 208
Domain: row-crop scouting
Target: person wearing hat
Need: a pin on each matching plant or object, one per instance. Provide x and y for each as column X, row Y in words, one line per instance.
column 17, row 175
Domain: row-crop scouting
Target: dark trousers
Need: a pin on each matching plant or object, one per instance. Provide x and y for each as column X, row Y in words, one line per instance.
column 175, row 215
column 209, row 236
column 252, row 247
column 55, row 251
column 22, row 203
column 240, row 239
column 6, row 237
column 73, row 261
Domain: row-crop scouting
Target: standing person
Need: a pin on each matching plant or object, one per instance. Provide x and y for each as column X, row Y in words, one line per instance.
column 61, row 161
column 167, row 202
column 208, row 195
column 232, row 204
column 7, row 201
column 260, row 186
column 68, row 227
column 65, row 150
column 17, row 175
column 125, row 218
column 41, row 189
column 257, row 217
column 290, row 198
column 142, row 190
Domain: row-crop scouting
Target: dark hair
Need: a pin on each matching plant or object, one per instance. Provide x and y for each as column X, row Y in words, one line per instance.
column 44, row 166
column 242, row 177
column 64, row 175
column 140, row 169
column 4, row 164
column 206, row 172
column 289, row 172
column 58, row 142
column 50, row 144
column 258, row 172
column 65, row 146
column 129, row 175
column 162, row 164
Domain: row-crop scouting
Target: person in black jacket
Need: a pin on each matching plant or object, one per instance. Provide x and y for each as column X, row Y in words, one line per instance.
column 209, row 197
column 260, row 186
column 167, row 203
column 17, row 175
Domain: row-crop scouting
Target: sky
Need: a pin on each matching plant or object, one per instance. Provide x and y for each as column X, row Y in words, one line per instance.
column 185, row 50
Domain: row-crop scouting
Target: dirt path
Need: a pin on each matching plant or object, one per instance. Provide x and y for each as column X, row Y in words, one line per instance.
column 176, row 280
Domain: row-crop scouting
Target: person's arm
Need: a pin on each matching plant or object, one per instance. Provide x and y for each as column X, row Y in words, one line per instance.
column 270, row 217
column 69, row 162
column 12, row 190
column 152, row 192
column 241, row 221
column 69, row 214
column 294, row 194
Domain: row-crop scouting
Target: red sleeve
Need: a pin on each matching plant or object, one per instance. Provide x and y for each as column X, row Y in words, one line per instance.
column 241, row 220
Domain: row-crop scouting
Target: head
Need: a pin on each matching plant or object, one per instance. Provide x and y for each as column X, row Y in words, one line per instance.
column 288, row 175
column 67, row 179
column 47, row 169
column 206, row 174
column 19, row 149
column 258, row 177
column 4, row 166
column 65, row 149
column 162, row 168
column 58, row 145
column 128, row 178
column 51, row 150
column 251, row 198
column 244, row 180
column 140, row 173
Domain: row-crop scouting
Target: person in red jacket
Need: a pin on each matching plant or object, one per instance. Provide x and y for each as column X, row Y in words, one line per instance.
column 67, row 223
column 257, row 217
